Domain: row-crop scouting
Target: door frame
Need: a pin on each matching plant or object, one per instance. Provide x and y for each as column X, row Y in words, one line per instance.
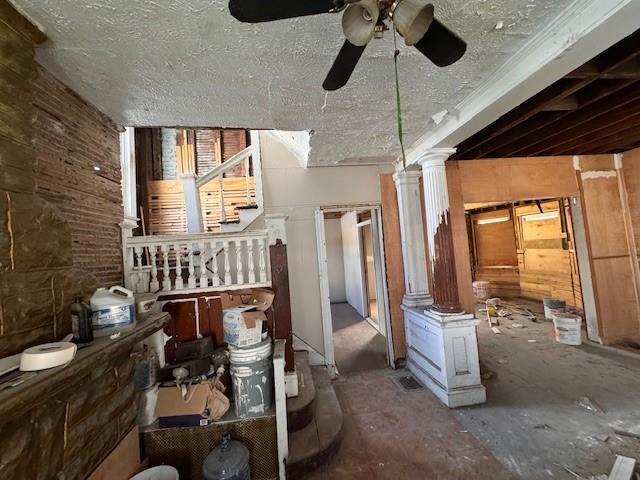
column 381, row 280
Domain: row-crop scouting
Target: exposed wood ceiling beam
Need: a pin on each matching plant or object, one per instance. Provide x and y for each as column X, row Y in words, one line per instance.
column 604, row 143
column 617, row 60
column 565, row 104
column 598, row 98
column 572, row 138
column 525, row 144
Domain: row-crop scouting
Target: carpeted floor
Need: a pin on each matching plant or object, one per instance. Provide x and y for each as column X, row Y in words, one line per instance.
column 358, row 346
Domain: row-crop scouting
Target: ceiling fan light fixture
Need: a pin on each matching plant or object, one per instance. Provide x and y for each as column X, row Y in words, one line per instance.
column 412, row 19
column 359, row 21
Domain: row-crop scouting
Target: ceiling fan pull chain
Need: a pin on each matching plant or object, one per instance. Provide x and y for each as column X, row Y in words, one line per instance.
column 396, row 53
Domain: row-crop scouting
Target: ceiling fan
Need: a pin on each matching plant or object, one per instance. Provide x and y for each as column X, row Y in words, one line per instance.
column 362, row 21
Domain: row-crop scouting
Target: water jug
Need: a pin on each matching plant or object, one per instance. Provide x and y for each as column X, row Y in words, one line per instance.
column 228, row 461
column 114, row 310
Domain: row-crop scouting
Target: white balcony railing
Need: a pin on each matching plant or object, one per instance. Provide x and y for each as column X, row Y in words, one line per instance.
column 192, row 263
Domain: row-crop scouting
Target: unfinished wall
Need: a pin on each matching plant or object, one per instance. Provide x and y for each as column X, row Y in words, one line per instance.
column 611, row 209
column 59, row 237
column 335, row 261
column 610, row 235
column 495, row 254
column 296, row 191
column 78, row 171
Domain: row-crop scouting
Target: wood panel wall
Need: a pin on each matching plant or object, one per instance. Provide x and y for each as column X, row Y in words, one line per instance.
column 167, row 213
column 495, row 255
column 610, row 197
column 393, row 261
column 610, row 237
column 546, row 254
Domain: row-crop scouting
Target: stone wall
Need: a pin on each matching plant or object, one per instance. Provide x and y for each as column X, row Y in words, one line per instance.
column 58, row 215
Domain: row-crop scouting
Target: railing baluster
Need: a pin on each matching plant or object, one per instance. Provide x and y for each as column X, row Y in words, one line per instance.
column 191, row 281
column 230, row 260
column 179, row 279
column 239, row 269
column 139, row 286
column 214, row 264
column 227, row 265
column 262, row 260
column 166, row 277
column 252, row 273
column 154, row 286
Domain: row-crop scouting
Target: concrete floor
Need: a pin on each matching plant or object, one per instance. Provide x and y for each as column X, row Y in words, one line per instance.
column 357, row 345
column 389, row 433
column 532, row 422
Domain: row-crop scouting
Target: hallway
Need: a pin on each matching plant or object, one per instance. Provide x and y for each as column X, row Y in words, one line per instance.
column 358, row 346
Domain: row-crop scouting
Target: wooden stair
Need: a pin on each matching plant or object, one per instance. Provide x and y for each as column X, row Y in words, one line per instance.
column 314, row 420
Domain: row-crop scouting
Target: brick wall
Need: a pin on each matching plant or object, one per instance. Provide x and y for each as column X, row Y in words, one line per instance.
column 59, row 217
column 72, row 139
column 59, row 236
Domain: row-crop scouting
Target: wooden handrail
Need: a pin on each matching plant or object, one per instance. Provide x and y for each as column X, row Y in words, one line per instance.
column 227, row 165
column 192, row 237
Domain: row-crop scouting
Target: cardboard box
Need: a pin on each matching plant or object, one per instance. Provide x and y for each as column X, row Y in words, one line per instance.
column 198, row 406
column 243, row 315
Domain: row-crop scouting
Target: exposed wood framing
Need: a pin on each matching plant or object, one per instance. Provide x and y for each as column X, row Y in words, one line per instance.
column 591, row 110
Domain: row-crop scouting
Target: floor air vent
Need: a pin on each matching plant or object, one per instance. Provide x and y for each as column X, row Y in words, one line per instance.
column 408, row 383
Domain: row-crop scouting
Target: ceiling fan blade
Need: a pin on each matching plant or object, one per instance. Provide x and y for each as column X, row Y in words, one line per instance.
column 343, row 66
column 256, row 11
column 441, row 45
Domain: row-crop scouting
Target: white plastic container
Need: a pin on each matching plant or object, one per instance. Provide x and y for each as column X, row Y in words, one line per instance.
column 568, row 328
column 481, row 289
column 163, row 472
column 113, row 310
column 252, row 374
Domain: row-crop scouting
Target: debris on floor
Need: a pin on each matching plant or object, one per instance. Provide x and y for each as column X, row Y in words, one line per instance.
column 623, row 468
column 626, row 433
column 589, row 404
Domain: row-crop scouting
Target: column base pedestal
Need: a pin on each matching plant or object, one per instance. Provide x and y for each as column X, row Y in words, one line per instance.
column 442, row 353
column 415, row 300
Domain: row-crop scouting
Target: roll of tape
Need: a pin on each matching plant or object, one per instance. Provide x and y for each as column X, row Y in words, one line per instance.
column 48, row 355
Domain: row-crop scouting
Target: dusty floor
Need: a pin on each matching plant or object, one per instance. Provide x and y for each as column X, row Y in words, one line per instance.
column 532, row 422
column 389, row 433
column 358, row 346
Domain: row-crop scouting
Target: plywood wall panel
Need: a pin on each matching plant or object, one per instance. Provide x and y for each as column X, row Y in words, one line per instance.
column 631, row 169
column 460, row 239
column 512, row 179
column 393, row 261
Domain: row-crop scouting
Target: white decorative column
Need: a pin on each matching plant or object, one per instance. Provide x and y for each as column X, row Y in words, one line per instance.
column 414, row 258
column 442, row 345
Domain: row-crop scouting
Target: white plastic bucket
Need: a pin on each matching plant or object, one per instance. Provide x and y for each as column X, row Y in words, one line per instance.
column 481, row 289
column 553, row 306
column 163, row 472
column 568, row 328
column 252, row 374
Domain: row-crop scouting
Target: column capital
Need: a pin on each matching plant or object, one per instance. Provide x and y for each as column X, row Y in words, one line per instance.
column 434, row 157
column 407, row 176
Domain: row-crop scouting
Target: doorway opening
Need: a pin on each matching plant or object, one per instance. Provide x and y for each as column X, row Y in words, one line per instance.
column 355, row 302
column 530, row 253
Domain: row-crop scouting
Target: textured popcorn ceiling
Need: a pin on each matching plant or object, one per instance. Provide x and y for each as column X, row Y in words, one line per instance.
column 189, row 63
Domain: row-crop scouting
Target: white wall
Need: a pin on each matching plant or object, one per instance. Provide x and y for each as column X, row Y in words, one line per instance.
column 335, row 261
column 352, row 252
column 296, row 191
